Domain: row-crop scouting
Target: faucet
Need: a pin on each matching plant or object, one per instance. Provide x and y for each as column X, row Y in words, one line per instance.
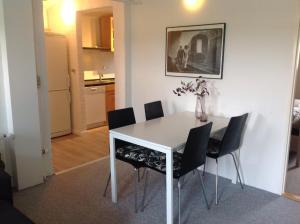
column 100, row 76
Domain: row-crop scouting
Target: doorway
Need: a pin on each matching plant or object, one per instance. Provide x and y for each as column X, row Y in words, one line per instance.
column 92, row 87
column 292, row 180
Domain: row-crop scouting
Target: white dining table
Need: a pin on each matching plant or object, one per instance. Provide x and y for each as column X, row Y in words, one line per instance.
column 166, row 134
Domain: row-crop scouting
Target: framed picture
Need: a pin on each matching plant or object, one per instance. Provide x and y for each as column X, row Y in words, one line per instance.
column 193, row 51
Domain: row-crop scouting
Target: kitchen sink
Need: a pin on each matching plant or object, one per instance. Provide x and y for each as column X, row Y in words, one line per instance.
column 99, row 82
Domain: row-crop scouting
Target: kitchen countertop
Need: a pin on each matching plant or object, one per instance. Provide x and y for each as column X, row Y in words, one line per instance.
column 98, row 82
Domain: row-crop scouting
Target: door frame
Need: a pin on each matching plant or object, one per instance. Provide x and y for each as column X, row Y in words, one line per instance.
column 292, row 97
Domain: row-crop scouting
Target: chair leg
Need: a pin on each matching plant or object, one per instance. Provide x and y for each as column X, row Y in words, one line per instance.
column 183, row 181
column 145, row 189
column 237, row 170
column 179, row 189
column 204, row 167
column 139, row 178
column 107, row 183
column 203, row 189
column 136, row 189
column 217, row 181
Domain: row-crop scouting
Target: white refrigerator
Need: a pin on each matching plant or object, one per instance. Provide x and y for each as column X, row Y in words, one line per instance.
column 58, row 84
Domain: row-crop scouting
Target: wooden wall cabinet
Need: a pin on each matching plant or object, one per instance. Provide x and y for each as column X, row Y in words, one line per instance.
column 97, row 33
column 105, row 32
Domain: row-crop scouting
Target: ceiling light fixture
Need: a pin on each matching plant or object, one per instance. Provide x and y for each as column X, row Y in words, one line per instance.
column 68, row 12
column 193, row 5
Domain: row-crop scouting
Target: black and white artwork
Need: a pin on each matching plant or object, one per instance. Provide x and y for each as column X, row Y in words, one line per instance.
column 193, row 51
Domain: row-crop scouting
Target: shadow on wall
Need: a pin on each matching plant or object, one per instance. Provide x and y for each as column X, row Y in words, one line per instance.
column 188, row 102
column 256, row 123
column 184, row 103
column 213, row 99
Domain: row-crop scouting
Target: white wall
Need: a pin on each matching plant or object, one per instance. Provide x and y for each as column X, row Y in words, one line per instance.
column 5, row 152
column 121, row 45
column 100, row 61
column 6, row 114
column 19, row 69
column 258, row 73
column 3, row 118
column 6, row 124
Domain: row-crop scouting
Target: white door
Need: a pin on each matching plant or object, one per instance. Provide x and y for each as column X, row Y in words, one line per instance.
column 59, row 105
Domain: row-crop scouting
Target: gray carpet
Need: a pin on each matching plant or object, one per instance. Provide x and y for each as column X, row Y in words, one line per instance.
column 76, row 198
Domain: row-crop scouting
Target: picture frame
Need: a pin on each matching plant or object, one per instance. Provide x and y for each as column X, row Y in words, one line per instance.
column 197, row 50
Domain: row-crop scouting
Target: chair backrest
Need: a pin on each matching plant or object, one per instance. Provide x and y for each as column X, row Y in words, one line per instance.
column 232, row 138
column 194, row 154
column 153, row 110
column 120, row 118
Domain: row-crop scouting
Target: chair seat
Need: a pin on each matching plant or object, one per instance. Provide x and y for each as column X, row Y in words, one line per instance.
column 157, row 161
column 213, row 148
column 134, row 154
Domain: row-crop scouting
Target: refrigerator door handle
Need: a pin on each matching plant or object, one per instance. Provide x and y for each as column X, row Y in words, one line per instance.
column 70, row 98
column 93, row 89
column 68, row 81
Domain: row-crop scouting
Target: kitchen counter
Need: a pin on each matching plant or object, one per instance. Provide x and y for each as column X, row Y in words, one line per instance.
column 98, row 82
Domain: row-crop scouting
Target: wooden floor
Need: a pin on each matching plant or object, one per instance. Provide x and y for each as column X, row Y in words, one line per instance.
column 291, row 196
column 72, row 150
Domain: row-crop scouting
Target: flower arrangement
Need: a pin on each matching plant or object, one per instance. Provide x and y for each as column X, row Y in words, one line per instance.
column 199, row 89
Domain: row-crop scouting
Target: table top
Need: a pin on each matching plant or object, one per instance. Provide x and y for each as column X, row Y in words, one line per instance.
column 169, row 131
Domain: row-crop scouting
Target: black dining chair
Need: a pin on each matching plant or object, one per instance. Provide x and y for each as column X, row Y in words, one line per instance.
column 153, row 110
column 228, row 144
column 194, row 156
column 125, row 151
